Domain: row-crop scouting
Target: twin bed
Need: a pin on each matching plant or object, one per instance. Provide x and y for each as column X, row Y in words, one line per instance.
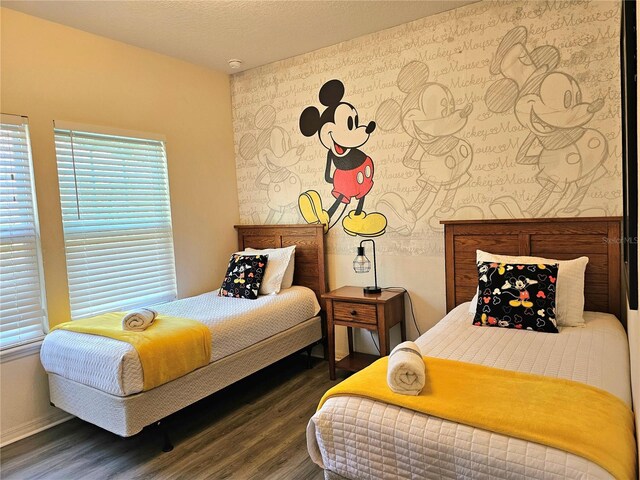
column 355, row 437
column 100, row 379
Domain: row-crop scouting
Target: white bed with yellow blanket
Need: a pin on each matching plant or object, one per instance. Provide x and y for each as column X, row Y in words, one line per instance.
column 357, row 438
column 105, row 379
column 113, row 366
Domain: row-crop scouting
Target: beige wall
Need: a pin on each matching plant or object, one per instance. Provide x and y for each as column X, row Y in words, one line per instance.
column 52, row 72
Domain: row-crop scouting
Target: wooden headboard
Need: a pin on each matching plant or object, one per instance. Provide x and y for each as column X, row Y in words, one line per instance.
column 560, row 238
column 309, row 241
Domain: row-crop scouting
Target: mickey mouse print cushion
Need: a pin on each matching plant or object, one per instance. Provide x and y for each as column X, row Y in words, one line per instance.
column 244, row 276
column 517, row 296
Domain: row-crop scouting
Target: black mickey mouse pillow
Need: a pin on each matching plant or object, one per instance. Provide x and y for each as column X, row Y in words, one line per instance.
column 244, row 276
column 517, row 296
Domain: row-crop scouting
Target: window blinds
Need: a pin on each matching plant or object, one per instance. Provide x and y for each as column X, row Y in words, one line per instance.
column 22, row 311
column 116, row 216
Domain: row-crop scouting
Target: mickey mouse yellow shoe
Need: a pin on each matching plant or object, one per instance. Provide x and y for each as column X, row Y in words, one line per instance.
column 310, row 205
column 366, row 225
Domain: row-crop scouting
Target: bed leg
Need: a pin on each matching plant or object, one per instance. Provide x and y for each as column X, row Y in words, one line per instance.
column 167, row 446
column 309, row 359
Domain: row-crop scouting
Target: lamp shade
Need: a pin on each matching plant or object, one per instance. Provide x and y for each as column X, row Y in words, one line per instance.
column 361, row 264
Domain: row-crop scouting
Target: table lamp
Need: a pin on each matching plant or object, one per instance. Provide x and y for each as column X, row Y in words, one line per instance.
column 361, row 264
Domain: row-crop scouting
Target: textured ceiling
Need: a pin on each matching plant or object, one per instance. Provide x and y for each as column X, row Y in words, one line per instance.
column 212, row 32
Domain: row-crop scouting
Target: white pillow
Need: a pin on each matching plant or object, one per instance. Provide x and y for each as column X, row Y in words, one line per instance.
column 570, row 294
column 279, row 272
column 474, row 302
column 287, row 280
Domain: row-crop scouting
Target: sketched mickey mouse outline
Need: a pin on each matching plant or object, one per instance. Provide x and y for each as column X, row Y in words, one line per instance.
column 569, row 157
column 276, row 156
column 428, row 114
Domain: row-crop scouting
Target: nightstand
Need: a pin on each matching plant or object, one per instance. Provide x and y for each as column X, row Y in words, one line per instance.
column 352, row 308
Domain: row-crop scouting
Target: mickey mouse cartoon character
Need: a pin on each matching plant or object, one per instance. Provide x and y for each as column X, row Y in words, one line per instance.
column 442, row 158
column 276, row 155
column 568, row 156
column 341, row 133
column 520, row 285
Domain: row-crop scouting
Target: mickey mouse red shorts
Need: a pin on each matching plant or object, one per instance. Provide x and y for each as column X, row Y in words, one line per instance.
column 354, row 183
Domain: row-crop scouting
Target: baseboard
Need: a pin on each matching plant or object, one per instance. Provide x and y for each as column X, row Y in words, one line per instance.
column 31, row 428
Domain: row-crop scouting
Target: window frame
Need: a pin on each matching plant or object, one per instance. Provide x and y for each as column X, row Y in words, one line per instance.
column 80, row 128
column 27, row 347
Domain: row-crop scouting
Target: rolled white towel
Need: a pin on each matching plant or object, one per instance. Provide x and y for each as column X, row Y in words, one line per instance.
column 139, row 320
column 406, row 371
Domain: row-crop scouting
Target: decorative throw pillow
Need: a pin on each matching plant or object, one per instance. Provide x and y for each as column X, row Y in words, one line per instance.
column 244, row 275
column 569, row 288
column 517, row 296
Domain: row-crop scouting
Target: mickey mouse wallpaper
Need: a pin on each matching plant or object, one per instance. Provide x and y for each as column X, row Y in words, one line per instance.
column 396, row 133
column 437, row 152
column 276, row 156
column 340, row 132
column 568, row 156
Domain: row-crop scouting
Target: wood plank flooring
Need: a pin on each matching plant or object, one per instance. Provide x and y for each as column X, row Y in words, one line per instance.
column 254, row 429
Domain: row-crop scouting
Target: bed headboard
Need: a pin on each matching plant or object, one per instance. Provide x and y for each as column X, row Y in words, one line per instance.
column 309, row 241
column 561, row 238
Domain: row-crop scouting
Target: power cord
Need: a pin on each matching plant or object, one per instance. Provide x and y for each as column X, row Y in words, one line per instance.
column 373, row 339
column 413, row 315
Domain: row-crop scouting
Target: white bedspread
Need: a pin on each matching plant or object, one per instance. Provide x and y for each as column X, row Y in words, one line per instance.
column 114, row 367
column 359, row 438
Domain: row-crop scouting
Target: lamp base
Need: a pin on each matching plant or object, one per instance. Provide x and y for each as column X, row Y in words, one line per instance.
column 372, row 290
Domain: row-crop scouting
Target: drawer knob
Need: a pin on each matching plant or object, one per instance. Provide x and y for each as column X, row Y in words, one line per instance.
column 354, row 312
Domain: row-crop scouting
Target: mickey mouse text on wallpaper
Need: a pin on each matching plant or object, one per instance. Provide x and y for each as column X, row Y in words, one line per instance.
column 430, row 117
column 340, row 132
column 276, row 156
column 568, row 156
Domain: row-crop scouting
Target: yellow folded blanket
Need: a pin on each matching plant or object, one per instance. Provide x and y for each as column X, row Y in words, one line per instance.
column 570, row 416
column 168, row 349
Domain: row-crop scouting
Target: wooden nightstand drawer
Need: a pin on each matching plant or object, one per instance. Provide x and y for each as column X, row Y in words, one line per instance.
column 355, row 312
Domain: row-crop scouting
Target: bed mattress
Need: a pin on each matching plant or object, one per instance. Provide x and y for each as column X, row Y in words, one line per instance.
column 359, row 438
column 114, row 367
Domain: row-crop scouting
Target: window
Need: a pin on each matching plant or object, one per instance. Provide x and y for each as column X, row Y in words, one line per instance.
column 22, row 300
column 114, row 193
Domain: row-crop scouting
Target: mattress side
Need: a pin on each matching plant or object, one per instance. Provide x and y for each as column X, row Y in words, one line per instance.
column 100, row 362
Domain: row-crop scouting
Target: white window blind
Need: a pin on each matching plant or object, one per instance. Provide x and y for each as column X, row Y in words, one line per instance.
column 22, row 301
column 114, row 192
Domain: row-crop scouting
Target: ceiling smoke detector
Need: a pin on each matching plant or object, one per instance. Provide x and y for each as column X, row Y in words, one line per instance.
column 234, row 63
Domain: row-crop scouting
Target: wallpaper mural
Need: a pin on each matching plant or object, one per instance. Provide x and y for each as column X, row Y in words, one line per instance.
column 500, row 109
column 275, row 154
column 441, row 159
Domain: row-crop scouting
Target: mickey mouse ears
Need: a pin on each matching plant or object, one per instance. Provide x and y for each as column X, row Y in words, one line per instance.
column 511, row 39
column 331, row 93
column 544, row 56
column 413, row 75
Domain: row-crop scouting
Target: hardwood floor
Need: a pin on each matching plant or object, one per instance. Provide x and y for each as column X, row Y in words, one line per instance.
column 254, row 429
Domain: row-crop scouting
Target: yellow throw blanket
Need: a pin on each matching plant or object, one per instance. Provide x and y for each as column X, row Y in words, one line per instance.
column 570, row 416
column 169, row 348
